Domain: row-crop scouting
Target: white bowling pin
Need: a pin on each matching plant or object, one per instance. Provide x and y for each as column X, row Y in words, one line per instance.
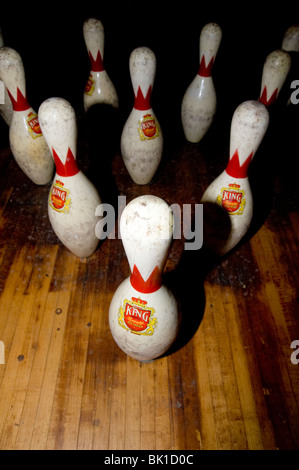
column 5, row 103
column 141, row 138
column 99, row 87
column 27, row 143
column 73, row 199
column 290, row 43
column 6, row 110
column 143, row 314
column 290, row 40
column 200, row 101
column 231, row 189
column 276, row 68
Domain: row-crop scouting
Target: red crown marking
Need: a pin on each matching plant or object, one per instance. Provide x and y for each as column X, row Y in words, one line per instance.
column 205, row 71
column 152, row 284
column 96, row 65
column 69, row 168
column 21, row 103
column 143, row 103
column 263, row 97
column 234, row 168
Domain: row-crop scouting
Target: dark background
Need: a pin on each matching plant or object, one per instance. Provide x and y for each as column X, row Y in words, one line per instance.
column 50, row 40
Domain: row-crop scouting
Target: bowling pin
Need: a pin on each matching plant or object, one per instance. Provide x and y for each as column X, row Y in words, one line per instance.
column 141, row 138
column 231, row 189
column 73, row 199
column 200, row 101
column 276, row 68
column 290, row 40
column 5, row 103
column 143, row 314
column 27, row 143
column 290, row 43
column 99, row 87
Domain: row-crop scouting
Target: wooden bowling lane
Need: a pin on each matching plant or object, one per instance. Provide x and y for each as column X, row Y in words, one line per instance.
column 228, row 383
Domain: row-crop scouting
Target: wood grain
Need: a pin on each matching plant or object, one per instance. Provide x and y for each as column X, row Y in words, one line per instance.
column 228, row 382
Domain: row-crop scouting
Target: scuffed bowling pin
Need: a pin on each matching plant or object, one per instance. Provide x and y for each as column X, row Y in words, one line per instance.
column 143, row 314
column 290, row 40
column 200, row 101
column 99, row 87
column 27, row 143
column 290, row 43
column 73, row 199
column 276, row 68
column 231, row 189
column 142, row 139
column 5, row 103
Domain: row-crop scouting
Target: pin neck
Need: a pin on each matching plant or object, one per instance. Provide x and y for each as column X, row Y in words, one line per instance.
column 69, row 168
column 263, row 98
column 97, row 65
column 234, row 169
column 205, row 70
column 152, row 284
column 141, row 102
column 21, row 103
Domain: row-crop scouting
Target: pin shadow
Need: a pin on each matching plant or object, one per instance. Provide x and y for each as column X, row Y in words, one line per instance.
column 273, row 171
column 101, row 127
column 186, row 281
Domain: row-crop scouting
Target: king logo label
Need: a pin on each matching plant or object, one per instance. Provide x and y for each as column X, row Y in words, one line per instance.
column 232, row 199
column 89, row 87
column 148, row 127
column 58, row 197
column 33, row 125
column 136, row 317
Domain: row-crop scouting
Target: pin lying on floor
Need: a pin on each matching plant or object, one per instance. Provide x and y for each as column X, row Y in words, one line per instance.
column 27, row 143
column 143, row 314
column 99, row 87
column 141, row 138
column 200, row 101
column 73, row 199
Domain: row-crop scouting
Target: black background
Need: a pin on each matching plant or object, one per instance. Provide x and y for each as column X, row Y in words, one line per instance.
column 49, row 37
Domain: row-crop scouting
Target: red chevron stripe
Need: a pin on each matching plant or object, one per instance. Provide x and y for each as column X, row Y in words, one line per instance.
column 70, row 167
column 263, row 98
column 97, row 65
column 142, row 103
column 21, row 103
column 152, row 284
column 234, row 168
column 205, row 71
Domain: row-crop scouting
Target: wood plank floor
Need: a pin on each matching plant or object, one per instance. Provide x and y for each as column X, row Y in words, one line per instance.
column 228, row 383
